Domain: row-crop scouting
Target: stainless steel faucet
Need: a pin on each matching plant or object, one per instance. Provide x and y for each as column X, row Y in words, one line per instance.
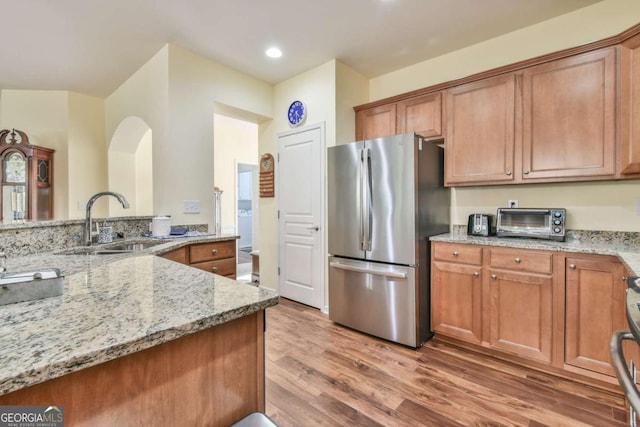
column 86, row 235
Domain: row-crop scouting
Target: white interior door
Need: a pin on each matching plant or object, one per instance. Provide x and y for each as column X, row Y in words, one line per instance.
column 300, row 193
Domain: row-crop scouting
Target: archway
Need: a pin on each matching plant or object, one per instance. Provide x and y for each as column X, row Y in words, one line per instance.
column 131, row 165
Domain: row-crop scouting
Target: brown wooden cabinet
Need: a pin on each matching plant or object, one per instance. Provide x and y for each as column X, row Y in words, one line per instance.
column 542, row 307
column 420, row 114
column 480, row 132
column 630, row 108
column 551, row 122
column 214, row 257
column 520, row 312
column 376, row 122
column 456, row 291
column 595, row 309
column 568, row 117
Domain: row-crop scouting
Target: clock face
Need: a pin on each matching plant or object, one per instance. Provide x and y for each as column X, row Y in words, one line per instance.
column 266, row 164
column 297, row 112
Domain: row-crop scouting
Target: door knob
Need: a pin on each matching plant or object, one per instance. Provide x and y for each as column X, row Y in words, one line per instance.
column 315, row 228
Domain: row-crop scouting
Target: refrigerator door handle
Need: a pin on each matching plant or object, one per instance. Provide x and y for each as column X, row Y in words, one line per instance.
column 367, row 199
column 387, row 273
column 361, row 201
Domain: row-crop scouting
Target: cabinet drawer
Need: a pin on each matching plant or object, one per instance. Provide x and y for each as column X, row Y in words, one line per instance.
column 223, row 267
column 521, row 260
column 212, row 251
column 455, row 252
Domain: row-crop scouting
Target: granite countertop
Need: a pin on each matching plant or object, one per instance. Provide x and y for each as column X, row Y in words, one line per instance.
column 602, row 243
column 111, row 306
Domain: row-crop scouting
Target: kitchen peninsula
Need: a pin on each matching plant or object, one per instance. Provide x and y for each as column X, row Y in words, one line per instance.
column 136, row 339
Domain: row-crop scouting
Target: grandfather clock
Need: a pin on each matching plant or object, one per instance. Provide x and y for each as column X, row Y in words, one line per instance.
column 27, row 172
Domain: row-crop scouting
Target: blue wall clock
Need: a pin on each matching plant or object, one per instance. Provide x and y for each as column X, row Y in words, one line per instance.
column 297, row 113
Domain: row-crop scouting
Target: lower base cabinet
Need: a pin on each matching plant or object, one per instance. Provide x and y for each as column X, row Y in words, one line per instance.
column 520, row 314
column 214, row 257
column 595, row 309
column 556, row 309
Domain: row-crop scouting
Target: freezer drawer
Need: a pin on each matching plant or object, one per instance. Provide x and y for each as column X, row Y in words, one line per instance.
column 378, row 299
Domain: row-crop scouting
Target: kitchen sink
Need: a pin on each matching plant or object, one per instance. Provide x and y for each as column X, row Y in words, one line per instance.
column 110, row 249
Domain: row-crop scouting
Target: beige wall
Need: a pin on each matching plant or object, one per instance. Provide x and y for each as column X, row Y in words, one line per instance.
column 235, row 141
column 87, row 153
column 591, row 206
column 352, row 88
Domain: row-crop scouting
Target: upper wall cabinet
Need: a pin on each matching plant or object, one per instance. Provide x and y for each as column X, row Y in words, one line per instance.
column 568, row 117
column 572, row 115
column 420, row 114
column 480, row 131
column 551, row 122
column 376, row 122
column 630, row 108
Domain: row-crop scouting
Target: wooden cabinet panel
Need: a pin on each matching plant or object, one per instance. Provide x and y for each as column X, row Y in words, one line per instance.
column 422, row 115
column 456, row 300
column 595, row 309
column 212, row 251
column 177, row 255
column 458, row 253
column 568, row 117
column 519, row 260
column 376, row 122
column 521, row 314
column 480, row 131
column 223, row 267
column 630, row 108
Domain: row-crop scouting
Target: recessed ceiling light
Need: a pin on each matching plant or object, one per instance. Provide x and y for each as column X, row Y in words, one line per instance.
column 274, row 52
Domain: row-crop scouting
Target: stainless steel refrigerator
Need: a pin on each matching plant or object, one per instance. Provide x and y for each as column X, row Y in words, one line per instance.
column 386, row 196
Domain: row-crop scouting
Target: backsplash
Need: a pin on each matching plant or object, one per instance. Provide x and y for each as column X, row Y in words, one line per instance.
column 584, row 236
column 33, row 237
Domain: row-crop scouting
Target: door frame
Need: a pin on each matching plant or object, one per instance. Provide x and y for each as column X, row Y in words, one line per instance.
column 322, row 236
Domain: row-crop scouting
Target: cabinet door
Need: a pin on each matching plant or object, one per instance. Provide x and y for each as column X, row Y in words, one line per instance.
column 376, row 122
column 630, row 111
column 595, row 309
column 456, row 300
column 568, row 117
column 520, row 314
column 480, row 131
column 422, row 115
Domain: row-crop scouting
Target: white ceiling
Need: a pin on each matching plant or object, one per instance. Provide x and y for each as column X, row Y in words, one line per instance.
column 92, row 47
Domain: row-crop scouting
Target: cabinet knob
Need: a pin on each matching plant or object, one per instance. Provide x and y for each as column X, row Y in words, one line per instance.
column 215, row 252
column 214, row 269
column 572, row 266
column 526, row 172
column 476, row 274
column 455, row 253
column 494, row 277
column 508, row 173
column 517, row 260
column 624, row 278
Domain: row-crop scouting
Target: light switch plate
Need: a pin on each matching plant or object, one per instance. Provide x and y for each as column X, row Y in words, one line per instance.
column 191, row 206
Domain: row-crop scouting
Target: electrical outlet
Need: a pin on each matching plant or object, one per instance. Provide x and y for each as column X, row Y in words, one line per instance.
column 191, row 206
column 82, row 206
column 637, row 207
column 512, row 203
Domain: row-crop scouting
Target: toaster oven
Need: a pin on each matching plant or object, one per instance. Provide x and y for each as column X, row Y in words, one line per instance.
column 539, row 223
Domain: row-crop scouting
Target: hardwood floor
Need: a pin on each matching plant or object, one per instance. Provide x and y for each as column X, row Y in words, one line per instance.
column 321, row 374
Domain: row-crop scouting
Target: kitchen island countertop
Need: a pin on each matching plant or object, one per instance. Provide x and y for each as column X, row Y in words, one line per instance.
column 112, row 306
